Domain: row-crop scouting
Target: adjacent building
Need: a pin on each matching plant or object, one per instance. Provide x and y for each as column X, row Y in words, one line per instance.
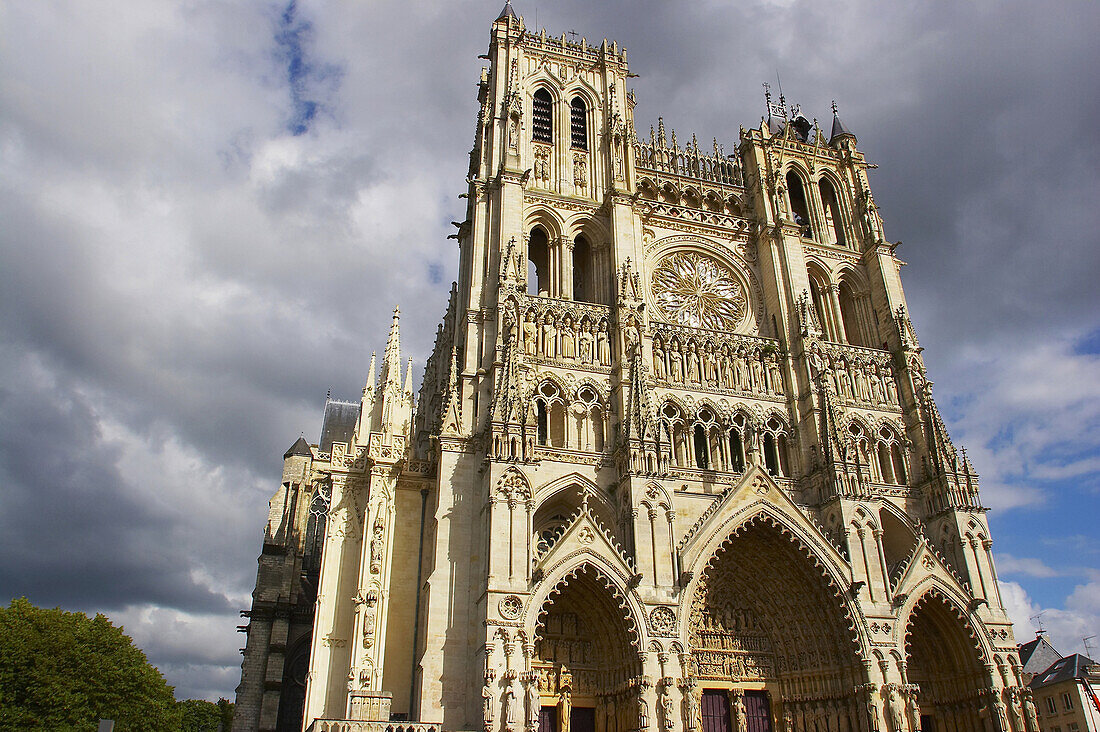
column 674, row 463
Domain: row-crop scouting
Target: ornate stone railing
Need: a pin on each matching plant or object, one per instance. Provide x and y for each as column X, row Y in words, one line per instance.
column 354, row 725
column 565, row 332
column 862, row 376
column 716, row 361
column 660, row 156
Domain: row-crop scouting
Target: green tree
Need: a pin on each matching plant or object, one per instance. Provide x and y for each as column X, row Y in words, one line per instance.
column 225, row 712
column 66, row 671
column 199, row 715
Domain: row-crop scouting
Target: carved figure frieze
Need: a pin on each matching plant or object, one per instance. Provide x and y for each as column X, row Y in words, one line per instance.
column 570, row 333
column 738, row 364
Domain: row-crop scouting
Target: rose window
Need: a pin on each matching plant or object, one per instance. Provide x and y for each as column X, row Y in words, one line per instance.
column 694, row 290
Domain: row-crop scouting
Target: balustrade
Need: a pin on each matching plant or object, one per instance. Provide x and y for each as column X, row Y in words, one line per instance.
column 688, row 162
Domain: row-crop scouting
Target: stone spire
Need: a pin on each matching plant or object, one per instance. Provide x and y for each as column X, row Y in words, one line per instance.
column 839, row 130
column 366, row 408
column 392, row 408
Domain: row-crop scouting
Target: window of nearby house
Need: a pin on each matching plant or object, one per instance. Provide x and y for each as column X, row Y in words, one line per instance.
column 1051, row 707
column 1072, row 727
column 1067, row 702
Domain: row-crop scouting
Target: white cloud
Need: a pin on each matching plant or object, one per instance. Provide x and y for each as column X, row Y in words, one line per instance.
column 1066, row 626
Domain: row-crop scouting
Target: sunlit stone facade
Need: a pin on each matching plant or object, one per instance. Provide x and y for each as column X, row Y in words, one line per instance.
column 675, row 463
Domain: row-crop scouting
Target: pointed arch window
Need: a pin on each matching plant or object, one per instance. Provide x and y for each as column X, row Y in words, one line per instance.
column 834, row 226
column 800, row 211
column 578, row 124
column 542, row 120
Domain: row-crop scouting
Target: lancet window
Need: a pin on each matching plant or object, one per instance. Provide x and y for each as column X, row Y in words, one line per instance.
column 800, row 211
column 891, row 462
column 834, row 225
column 707, row 435
column 776, row 452
column 315, row 529
column 675, row 433
column 583, row 271
column 589, row 416
column 542, row 116
column 550, row 415
column 738, row 435
column 578, row 124
column 538, row 263
column 855, row 312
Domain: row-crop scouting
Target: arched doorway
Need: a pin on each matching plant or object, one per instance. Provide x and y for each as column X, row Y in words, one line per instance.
column 585, row 658
column 944, row 661
column 771, row 641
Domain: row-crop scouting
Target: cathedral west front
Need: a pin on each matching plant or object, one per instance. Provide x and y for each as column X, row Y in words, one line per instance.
column 674, row 464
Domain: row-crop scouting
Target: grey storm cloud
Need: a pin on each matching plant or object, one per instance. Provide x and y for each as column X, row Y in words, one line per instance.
column 210, row 208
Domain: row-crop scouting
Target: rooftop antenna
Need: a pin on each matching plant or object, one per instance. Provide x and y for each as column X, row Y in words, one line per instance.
column 1038, row 618
column 1088, row 646
column 572, row 36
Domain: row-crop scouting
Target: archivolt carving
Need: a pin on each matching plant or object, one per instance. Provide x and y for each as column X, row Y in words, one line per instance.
column 794, row 621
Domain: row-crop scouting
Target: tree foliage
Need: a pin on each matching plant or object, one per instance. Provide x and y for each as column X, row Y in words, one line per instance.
column 204, row 716
column 63, row 670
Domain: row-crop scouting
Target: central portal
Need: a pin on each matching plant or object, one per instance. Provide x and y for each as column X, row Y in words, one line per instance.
column 768, row 640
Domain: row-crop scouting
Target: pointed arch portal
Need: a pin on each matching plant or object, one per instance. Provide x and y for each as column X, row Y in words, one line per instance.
column 585, row 656
column 768, row 630
column 945, row 662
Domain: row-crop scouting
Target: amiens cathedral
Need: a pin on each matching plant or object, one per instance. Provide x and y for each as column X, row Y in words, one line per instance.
column 674, row 465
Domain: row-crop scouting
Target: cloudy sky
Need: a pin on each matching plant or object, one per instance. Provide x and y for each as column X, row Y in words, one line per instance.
column 209, row 208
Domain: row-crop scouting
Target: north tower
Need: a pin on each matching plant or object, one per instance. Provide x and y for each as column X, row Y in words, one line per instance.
column 675, row 462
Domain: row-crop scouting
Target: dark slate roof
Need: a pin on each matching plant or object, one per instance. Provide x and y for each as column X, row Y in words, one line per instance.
column 839, row 128
column 1038, row 655
column 298, row 449
column 339, row 423
column 507, row 12
column 1070, row 667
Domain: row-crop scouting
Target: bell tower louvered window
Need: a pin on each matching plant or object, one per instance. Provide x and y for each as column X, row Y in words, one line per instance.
column 542, row 125
column 578, row 124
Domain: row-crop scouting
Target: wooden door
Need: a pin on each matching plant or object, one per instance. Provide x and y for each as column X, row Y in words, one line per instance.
column 758, row 713
column 582, row 719
column 716, row 710
column 548, row 719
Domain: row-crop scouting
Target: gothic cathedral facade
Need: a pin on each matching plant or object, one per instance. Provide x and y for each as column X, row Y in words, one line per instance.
column 675, row 464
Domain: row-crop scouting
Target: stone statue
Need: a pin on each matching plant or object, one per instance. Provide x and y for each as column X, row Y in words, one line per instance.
column 1031, row 714
column 487, row 702
column 894, row 710
column 549, row 337
column 603, row 347
column 667, row 706
column 376, row 545
column 568, row 339
column 643, row 710
column 530, row 335
column 691, row 707
column 630, row 339
column 509, row 705
column 659, row 367
column 692, row 363
column 676, row 363
column 534, row 703
column 586, row 343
